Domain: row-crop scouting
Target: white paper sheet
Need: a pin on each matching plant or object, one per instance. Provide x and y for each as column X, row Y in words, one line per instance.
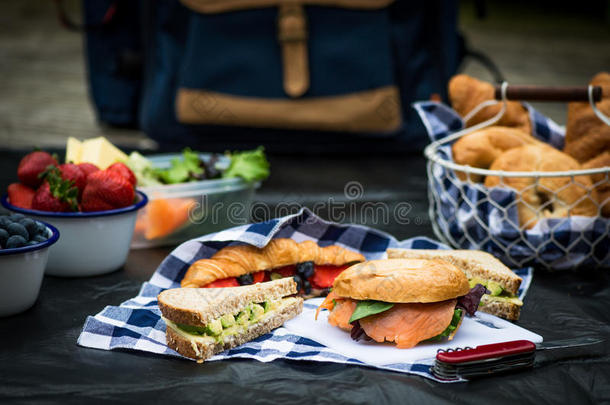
column 479, row 330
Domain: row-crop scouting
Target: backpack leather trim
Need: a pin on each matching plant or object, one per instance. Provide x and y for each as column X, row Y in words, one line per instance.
column 220, row 6
column 292, row 36
column 376, row 110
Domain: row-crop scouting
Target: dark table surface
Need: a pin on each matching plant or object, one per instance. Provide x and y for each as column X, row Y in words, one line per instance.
column 40, row 361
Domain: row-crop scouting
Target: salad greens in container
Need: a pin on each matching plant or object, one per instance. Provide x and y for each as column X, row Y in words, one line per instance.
column 192, row 194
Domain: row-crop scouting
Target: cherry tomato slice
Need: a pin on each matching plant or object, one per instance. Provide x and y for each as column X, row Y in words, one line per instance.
column 260, row 276
column 286, row 271
column 324, row 276
column 223, row 282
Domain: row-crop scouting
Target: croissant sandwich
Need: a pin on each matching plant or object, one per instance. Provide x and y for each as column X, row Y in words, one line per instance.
column 313, row 267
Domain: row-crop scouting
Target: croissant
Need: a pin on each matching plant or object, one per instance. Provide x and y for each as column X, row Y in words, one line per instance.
column 601, row 181
column 586, row 135
column 465, row 93
column 482, row 147
column 235, row 261
column 546, row 197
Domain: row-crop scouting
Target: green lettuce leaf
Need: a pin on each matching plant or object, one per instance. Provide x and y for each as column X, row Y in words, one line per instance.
column 143, row 170
column 250, row 165
column 368, row 308
column 182, row 169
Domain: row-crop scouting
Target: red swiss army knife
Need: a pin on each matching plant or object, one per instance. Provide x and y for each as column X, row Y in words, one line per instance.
column 484, row 360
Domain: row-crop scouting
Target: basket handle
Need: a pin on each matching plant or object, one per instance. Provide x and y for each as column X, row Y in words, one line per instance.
column 548, row 93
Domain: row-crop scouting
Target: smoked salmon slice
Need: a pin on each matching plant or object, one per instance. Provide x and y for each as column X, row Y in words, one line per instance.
column 408, row 324
column 341, row 314
column 328, row 303
column 341, row 310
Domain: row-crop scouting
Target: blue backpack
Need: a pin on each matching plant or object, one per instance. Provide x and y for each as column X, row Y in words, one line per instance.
column 294, row 75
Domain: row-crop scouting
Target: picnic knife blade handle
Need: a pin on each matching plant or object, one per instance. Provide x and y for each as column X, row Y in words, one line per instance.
column 548, row 93
column 485, row 352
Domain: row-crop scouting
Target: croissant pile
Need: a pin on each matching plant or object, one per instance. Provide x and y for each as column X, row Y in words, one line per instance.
column 510, row 146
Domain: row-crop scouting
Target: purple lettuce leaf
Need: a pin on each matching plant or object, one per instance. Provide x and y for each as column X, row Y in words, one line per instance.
column 357, row 332
column 470, row 301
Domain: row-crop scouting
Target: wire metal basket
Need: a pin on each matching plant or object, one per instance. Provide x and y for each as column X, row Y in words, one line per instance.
column 522, row 224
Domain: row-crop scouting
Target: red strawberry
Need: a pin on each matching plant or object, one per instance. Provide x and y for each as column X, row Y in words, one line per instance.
column 45, row 200
column 88, row 168
column 55, row 194
column 106, row 190
column 32, row 165
column 73, row 173
column 123, row 170
column 20, row 196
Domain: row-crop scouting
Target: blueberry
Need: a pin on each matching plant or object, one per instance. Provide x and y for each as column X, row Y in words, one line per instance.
column 16, row 217
column 17, row 229
column 299, row 282
column 246, row 279
column 31, row 243
column 5, row 221
column 30, row 225
column 3, row 237
column 39, row 238
column 15, row 241
column 41, row 229
column 305, row 269
column 307, row 287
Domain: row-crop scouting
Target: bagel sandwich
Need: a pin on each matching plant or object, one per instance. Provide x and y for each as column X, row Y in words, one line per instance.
column 313, row 267
column 480, row 268
column 203, row 322
column 404, row 301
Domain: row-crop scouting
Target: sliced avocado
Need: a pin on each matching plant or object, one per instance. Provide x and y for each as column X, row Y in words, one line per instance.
column 257, row 312
column 214, row 328
column 495, row 288
column 243, row 317
column 193, row 330
column 267, row 306
column 476, row 280
column 275, row 276
column 227, row 320
column 233, row 330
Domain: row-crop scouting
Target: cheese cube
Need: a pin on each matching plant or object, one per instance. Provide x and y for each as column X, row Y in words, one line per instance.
column 101, row 152
column 74, row 149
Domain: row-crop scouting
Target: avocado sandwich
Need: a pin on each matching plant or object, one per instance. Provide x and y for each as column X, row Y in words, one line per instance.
column 202, row 322
column 480, row 268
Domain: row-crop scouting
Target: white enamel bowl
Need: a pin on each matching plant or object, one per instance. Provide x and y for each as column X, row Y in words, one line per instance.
column 21, row 271
column 92, row 243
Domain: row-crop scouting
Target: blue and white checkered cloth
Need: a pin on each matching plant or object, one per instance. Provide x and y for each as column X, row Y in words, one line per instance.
column 136, row 324
column 467, row 209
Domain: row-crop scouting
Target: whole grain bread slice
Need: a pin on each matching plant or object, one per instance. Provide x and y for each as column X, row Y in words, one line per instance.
column 202, row 350
column 474, row 263
column 506, row 310
column 198, row 306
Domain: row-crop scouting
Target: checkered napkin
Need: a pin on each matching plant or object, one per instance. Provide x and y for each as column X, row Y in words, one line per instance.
column 480, row 218
column 136, row 323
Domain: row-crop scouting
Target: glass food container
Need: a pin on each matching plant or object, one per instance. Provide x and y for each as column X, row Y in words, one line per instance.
column 179, row 212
